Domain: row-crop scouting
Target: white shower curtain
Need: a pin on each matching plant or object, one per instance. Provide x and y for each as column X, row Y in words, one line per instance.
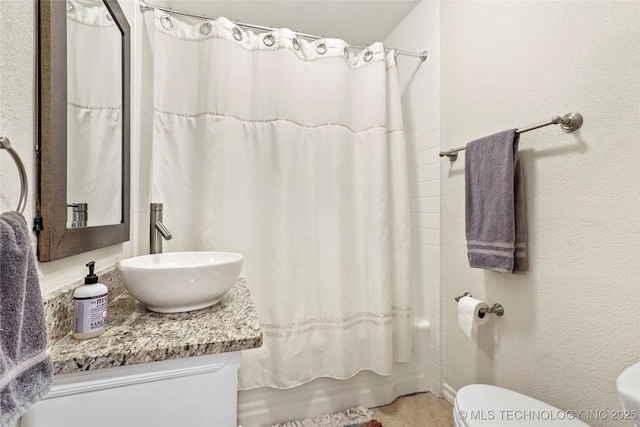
column 291, row 153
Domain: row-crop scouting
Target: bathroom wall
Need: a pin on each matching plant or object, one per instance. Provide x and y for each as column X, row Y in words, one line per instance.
column 18, row 123
column 571, row 323
column 420, row 87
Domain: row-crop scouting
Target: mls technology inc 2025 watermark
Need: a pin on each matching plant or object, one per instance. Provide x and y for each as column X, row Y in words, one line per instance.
column 516, row 415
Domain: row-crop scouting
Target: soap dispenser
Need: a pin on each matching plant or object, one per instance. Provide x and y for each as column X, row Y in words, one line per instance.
column 90, row 307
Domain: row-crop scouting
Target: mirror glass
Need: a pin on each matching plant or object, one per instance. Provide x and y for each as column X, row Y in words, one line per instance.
column 83, row 151
column 94, row 115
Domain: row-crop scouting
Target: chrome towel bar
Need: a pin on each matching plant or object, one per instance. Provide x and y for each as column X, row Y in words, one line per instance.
column 569, row 122
column 5, row 144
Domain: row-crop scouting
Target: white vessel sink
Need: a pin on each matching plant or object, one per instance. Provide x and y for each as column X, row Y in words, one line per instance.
column 174, row 282
column 629, row 390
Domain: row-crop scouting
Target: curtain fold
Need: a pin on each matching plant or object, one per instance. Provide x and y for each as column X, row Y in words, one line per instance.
column 291, row 153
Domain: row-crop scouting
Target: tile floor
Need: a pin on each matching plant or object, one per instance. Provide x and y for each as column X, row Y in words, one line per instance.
column 416, row 410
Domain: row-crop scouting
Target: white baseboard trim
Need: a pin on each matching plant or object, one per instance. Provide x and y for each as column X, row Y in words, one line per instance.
column 448, row 393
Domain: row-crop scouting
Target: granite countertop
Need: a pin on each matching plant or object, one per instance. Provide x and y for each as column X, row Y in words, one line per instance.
column 136, row 335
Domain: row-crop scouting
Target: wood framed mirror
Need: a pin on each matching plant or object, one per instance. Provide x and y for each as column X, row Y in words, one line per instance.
column 83, row 131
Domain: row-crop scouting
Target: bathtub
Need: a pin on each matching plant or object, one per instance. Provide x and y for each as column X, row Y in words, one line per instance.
column 266, row 406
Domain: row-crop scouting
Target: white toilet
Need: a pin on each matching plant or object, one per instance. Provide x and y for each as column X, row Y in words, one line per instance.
column 482, row 405
column 628, row 384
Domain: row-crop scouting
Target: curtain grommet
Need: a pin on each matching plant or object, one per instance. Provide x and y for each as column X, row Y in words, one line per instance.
column 295, row 43
column 347, row 53
column 166, row 22
column 237, row 33
column 269, row 40
column 321, row 48
column 368, row 56
column 70, row 7
column 205, row 28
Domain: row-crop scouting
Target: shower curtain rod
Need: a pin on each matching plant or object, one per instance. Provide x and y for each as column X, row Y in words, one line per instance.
column 145, row 7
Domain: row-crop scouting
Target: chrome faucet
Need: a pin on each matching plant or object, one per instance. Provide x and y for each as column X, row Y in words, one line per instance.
column 157, row 230
column 80, row 214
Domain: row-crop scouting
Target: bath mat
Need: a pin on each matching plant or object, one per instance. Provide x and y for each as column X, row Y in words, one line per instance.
column 372, row 423
column 354, row 417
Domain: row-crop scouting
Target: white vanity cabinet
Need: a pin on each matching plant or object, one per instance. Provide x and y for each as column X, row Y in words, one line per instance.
column 149, row 369
column 194, row 391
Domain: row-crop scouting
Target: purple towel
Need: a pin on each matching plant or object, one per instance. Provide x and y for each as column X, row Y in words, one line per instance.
column 494, row 197
column 26, row 371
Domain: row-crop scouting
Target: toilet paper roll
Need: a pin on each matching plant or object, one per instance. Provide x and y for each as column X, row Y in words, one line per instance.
column 469, row 316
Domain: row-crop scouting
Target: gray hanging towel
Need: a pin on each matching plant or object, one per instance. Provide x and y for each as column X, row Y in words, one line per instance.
column 26, row 371
column 494, row 199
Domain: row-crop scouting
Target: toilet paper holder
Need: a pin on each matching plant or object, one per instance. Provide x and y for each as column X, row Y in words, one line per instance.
column 496, row 309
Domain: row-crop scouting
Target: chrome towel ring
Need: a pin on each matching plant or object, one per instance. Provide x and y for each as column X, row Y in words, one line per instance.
column 6, row 145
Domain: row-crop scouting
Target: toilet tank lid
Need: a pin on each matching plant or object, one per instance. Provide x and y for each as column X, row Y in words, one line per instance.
column 487, row 405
